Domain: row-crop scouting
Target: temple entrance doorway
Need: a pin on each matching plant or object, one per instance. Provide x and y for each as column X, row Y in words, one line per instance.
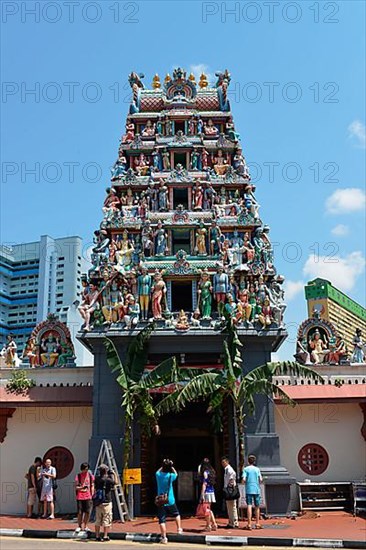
column 186, row 438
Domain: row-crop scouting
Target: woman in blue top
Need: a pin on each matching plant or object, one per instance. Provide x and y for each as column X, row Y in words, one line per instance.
column 165, row 477
column 208, row 478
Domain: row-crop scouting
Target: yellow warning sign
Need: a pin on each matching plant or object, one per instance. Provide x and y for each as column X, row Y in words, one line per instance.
column 132, row 476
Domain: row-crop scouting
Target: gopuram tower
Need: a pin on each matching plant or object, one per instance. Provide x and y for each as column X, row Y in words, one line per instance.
column 182, row 232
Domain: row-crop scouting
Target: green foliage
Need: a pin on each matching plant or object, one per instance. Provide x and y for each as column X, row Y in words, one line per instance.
column 19, row 382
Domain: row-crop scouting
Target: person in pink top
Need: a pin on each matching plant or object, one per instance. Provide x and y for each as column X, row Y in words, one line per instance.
column 84, row 487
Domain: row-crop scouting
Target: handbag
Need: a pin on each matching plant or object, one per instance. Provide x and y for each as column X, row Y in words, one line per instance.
column 98, row 497
column 203, row 510
column 162, row 500
column 54, row 484
column 231, row 492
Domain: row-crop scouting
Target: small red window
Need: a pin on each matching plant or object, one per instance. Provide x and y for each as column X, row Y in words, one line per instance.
column 313, row 459
column 62, row 460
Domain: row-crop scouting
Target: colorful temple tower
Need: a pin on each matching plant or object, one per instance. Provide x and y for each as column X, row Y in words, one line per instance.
column 181, row 233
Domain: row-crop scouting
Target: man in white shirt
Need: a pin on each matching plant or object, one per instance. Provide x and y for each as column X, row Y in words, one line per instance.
column 231, row 505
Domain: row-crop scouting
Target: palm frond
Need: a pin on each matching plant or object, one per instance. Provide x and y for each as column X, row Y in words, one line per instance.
column 114, row 362
column 168, row 404
column 137, row 353
column 164, row 373
column 198, row 388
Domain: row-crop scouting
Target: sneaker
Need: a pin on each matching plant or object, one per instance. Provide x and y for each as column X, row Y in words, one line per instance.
column 78, row 529
column 163, row 540
column 180, row 530
column 106, row 539
column 51, row 517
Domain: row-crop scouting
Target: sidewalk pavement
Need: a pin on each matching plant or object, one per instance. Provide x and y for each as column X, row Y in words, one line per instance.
column 327, row 529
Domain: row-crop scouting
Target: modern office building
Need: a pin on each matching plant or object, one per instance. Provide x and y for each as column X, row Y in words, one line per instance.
column 37, row 278
column 336, row 307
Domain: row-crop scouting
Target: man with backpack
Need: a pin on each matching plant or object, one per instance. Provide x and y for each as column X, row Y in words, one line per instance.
column 104, row 483
column 84, row 487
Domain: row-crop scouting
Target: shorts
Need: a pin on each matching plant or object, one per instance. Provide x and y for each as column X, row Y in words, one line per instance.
column 32, row 494
column 253, row 500
column 47, row 497
column 103, row 515
column 209, row 497
column 168, row 510
column 84, row 506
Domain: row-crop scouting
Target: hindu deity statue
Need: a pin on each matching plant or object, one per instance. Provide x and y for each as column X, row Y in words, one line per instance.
column 199, row 124
column 30, row 352
column 151, row 194
column 319, row 347
column 358, row 355
column 220, row 163
column 221, row 286
column 124, row 253
column 163, row 201
column 210, row 129
column 141, row 165
column 337, row 350
column 205, row 295
column 130, row 133
column 191, row 126
column 231, row 306
column 160, row 240
column 197, row 196
column 160, row 126
column 195, row 158
column 49, row 351
column 182, row 321
column 215, row 239
column 248, row 249
column 119, row 168
column 230, row 130
column 156, row 160
column 149, row 129
column 209, row 196
column 166, row 160
column 204, row 159
column 201, row 240
column 113, row 308
column 132, row 314
column 144, row 283
column 112, row 203
column 147, row 240
column 240, row 165
column 158, row 295
column 10, row 351
column 169, row 127
column 235, row 250
column 243, row 299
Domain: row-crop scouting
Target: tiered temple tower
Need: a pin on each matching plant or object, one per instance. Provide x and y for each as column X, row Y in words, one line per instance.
column 182, row 232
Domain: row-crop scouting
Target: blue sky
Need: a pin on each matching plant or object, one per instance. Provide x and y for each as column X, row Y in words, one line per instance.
column 297, row 96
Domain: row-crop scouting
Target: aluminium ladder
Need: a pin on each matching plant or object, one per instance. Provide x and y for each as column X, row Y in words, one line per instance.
column 106, row 456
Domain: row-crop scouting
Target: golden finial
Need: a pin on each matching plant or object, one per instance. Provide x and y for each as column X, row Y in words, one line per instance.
column 192, row 78
column 167, row 78
column 203, row 83
column 156, row 82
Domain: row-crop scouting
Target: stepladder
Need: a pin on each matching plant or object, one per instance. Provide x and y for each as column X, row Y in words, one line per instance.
column 106, row 456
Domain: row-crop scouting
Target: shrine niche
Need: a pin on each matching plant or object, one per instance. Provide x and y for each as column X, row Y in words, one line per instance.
column 319, row 342
column 50, row 345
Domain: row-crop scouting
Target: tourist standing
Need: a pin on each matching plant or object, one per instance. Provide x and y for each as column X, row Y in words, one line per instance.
column 165, row 477
column 208, row 478
column 252, row 478
column 230, row 482
column 33, row 478
column 84, row 487
column 104, row 483
column 48, row 475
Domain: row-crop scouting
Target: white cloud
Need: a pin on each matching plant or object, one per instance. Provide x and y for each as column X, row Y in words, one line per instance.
column 341, row 272
column 292, row 289
column 343, row 201
column 340, row 230
column 357, row 132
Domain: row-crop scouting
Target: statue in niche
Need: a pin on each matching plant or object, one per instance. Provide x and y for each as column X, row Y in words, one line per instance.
column 231, row 306
column 230, row 130
column 240, row 165
column 166, row 160
column 318, row 346
column 182, row 321
column 144, row 283
column 220, row 163
column 160, row 235
column 141, row 165
column 113, row 308
column 160, row 126
column 132, row 314
column 221, row 286
column 205, row 295
column 158, row 295
column 149, row 129
column 197, row 196
column 210, row 129
column 201, row 240
column 124, row 254
column 191, row 126
column 235, row 250
column 209, row 196
column 338, row 350
column 302, row 355
column 168, row 127
column 248, row 249
column 151, row 194
column 204, row 159
column 147, row 238
column 163, row 202
column 243, row 299
column 358, row 354
column 156, row 160
column 195, row 158
column 112, row 203
column 119, row 168
column 215, row 239
column 130, row 133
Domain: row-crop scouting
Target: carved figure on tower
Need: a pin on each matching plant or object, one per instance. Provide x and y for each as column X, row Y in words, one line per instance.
column 130, row 133
column 197, row 193
column 221, row 286
column 163, row 201
column 201, row 240
column 141, row 165
column 158, row 295
column 160, row 240
column 144, row 283
column 205, row 295
column 149, row 129
column 210, row 129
